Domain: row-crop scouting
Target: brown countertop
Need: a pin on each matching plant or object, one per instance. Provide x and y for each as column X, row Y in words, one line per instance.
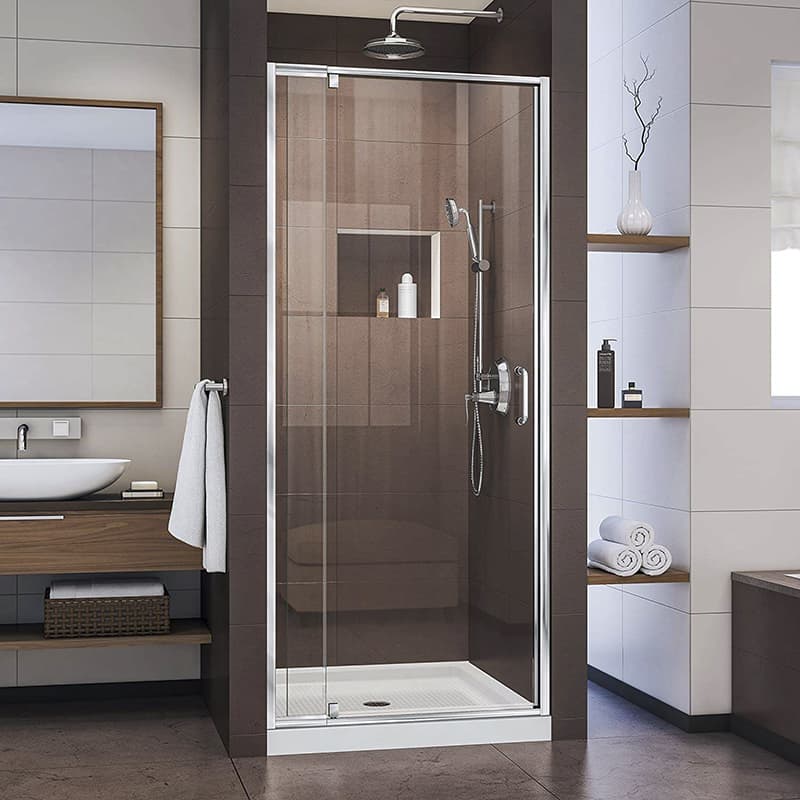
column 773, row 580
column 95, row 502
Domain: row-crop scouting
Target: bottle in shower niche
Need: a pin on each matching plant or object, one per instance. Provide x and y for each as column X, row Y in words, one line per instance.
column 605, row 375
column 382, row 305
column 407, row 297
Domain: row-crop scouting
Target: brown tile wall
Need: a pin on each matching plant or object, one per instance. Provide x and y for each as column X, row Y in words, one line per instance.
column 393, row 492
column 501, row 520
column 233, row 315
column 548, row 37
column 539, row 38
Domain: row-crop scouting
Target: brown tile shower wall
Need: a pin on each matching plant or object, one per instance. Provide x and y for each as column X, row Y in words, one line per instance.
column 233, row 309
column 393, row 493
column 548, row 37
column 501, row 520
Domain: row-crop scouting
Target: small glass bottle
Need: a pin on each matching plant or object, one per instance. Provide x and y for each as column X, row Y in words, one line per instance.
column 382, row 304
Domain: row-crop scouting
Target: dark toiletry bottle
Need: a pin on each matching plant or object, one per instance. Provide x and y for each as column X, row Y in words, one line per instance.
column 632, row 397
column 605, row 375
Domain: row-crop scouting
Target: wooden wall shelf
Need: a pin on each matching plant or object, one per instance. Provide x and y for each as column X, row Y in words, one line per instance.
column 599, row 577
column 617, row 243
column 31, row 637
column 636, row 413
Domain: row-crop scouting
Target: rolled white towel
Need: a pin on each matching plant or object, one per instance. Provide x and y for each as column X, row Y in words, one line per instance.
column 656, row 560
column 124, row 587
column 615, row 558
column 627, row 531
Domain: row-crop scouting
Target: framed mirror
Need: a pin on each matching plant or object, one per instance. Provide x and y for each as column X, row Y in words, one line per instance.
column 80, row 253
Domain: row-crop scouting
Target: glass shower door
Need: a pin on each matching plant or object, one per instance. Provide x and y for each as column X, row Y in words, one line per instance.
column 303, row 347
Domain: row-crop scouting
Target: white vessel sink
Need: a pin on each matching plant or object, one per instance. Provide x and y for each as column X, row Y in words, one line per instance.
column 57, row 478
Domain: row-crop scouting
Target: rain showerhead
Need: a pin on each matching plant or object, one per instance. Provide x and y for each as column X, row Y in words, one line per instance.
column 395, row 47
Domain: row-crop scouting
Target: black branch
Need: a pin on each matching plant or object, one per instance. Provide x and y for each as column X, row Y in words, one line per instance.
column 634, row 89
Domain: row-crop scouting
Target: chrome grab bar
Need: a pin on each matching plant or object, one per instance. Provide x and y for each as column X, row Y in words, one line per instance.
column 523, row 374
column 31, row 517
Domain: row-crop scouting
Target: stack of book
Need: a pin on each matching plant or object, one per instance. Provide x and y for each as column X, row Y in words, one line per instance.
column 143, row 490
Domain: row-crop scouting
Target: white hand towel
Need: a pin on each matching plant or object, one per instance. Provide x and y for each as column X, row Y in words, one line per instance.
column 110, row 587
column 615, row 558
column 198, row 508
column 627, row 531
column 656, row 560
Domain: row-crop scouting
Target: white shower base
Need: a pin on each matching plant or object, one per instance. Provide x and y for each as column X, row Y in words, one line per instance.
column 455, row 694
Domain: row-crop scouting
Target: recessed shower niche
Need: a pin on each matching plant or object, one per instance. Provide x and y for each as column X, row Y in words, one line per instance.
column 369, row 260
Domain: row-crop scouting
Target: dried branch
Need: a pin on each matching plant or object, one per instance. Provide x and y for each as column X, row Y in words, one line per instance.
column 634, row 89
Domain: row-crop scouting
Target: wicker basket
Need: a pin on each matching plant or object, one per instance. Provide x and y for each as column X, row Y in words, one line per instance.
column 87, row 617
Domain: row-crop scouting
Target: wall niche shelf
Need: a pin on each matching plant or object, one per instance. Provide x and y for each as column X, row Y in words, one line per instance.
column 639, row 413
column 31, row 637
column 599, row 577
column 618, row 243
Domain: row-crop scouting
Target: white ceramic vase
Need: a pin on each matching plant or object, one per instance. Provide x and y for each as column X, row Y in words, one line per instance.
column 635, row 219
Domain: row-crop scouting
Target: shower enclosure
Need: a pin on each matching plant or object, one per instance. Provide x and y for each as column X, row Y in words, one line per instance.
column 408, row 479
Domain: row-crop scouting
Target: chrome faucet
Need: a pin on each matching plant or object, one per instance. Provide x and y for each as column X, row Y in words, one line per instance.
column 22, row 438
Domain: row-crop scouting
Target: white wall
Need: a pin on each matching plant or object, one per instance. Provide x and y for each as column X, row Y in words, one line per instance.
column 745, row 462
column 116, row 49
column 148, row 50
column 640, row 468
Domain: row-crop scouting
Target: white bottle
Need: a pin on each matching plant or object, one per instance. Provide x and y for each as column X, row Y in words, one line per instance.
column 407, row 297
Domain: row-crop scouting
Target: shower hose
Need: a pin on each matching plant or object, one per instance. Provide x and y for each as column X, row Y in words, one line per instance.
column 476, row 452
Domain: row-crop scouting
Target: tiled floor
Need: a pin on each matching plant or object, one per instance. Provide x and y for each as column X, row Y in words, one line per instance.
column 86, row 753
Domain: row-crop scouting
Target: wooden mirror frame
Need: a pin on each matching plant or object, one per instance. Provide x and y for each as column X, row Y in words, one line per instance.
column 159, row 110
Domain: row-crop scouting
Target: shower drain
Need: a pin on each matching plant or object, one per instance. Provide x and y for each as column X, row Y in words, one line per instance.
column 377, row 703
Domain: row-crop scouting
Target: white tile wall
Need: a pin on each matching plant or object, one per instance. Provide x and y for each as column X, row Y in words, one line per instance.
column 121, row 227
column 604, row 625
column 182, row 350
column 70, row 69
column 605, row 26
column 46, row 172
column 124, row 175
column 730, row 358
column 652, row 284
column 605, row 457
column 637, row 15
column 36, row 375
column 723, row 543
column 730, row 156
column 124, row 278
column 46, row 328
column 46, row 277
column 175, row 24
column 655, row 644
column 8, row 18
column 45, row 224
column 730, row 257
column 124, row 378
column 655, row 453
column 745, row 460
column 98, row 49
column 711, row 664
column 8, row 66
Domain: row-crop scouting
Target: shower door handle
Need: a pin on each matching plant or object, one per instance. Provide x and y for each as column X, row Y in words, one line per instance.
column 523, row 410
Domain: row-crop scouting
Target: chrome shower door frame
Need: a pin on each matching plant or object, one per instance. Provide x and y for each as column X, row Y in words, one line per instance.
column 540, row 389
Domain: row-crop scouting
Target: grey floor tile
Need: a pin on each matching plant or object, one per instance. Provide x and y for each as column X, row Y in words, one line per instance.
column 670, row 767
column 73, row 735
column 216, row 780
column 611, row 716
column 454, row 773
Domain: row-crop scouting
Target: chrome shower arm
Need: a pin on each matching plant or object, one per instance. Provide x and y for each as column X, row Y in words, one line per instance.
column 443, row 12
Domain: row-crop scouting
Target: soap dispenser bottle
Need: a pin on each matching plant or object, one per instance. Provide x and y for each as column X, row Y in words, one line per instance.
column 606, row 376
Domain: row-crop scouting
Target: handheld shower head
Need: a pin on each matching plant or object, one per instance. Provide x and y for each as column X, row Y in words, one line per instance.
column 453, row 213
column 451, row 210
